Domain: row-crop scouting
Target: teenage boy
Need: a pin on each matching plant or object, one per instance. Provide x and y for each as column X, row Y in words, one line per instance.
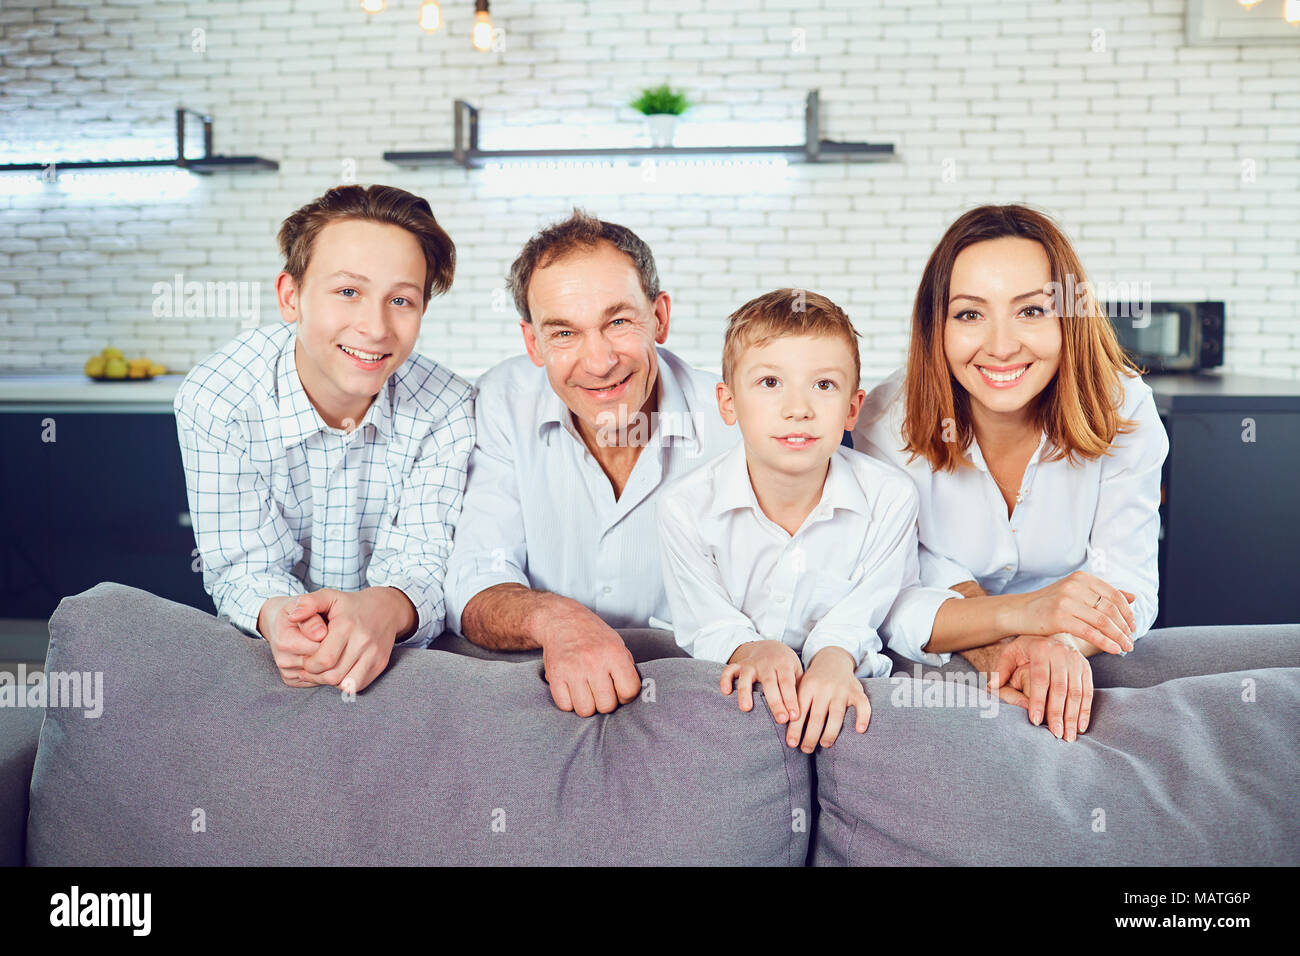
column 783, row 556
column 325, row 462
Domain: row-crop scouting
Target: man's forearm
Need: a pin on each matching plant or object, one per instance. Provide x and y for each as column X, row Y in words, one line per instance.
column 504, row 617
column 985, row 659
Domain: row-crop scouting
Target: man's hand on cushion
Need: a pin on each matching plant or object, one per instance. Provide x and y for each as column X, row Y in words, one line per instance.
column 587, row 665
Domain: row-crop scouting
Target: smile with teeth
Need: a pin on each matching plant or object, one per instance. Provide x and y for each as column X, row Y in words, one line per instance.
column 608, row 388
column 1010, row 376
column 364, row 356
column 796, row 441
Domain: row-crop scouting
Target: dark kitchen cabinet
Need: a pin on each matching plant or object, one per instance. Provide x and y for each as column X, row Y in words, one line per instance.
column 104, row 501
column 1230, row 517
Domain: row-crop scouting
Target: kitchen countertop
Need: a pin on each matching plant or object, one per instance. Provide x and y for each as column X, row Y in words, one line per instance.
column 36, row 390
column 30, row 391
column 1223, row 391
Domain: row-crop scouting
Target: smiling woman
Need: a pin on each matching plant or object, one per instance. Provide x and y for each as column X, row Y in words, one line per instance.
column 1037, row 450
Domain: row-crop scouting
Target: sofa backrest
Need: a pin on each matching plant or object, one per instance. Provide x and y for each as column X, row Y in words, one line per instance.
column 200, row 755
column 1194, row 771
column 20, row 728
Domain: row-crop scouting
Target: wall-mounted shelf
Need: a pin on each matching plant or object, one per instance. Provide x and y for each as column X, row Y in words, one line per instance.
column 204, row 165
column 813, row 149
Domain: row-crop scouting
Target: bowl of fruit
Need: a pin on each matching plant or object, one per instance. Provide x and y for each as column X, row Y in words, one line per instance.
column 111, row 365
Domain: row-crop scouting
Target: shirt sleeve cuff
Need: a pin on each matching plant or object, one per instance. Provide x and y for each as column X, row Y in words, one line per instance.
column 863, row 646
column 719, row 643
column 241, row 605
column 910, row 623
column 426, row 597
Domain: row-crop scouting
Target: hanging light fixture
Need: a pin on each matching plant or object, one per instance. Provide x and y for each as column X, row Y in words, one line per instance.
column 482, row 35
column 1290, row 10
column 430, row 16
column 373, row 6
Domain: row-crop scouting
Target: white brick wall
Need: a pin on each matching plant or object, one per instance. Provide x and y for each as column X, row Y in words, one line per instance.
column 1138, row 149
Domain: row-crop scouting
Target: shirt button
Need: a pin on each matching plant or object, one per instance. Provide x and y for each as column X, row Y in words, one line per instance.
column 779, row 598
column 335, row 533
column 606, row 589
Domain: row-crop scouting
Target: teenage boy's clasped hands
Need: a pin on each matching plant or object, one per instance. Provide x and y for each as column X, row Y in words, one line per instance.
column 340, row 638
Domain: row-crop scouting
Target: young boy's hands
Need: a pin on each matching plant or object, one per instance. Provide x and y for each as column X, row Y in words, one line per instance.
column 362, row 627
column 827, row 690
column 774, row 665
column 293, row 637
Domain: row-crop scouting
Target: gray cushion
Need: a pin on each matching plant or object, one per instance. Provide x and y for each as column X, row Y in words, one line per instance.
column 1175, row 652
column 1181, row 773
column 646, row 644
column 443, row 760
column 1168, row 653
column 20, row 727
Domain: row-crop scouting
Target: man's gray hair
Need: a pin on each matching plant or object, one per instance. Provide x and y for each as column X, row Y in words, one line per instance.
column 579, row 231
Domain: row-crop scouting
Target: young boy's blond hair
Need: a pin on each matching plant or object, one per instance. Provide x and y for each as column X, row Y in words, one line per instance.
column 784, row 312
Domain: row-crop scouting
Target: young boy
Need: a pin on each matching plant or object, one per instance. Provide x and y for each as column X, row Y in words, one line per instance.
column 783, row 556
column 325, row 462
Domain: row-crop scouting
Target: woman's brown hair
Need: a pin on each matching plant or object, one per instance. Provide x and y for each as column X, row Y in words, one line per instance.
column 1079, row 407
column 384, row 204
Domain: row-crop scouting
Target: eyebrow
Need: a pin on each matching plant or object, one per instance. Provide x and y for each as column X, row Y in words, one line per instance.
column 774, row 368
column 975, row 298
column 609, row 313
column 357, row 277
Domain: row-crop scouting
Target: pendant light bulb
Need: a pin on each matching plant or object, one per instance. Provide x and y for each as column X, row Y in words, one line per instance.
column 1291, row 12
column 430, row 16
column 374, row 6
column 481, row 37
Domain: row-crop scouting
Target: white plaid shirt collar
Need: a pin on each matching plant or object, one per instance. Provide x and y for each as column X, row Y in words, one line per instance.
column 299, row 419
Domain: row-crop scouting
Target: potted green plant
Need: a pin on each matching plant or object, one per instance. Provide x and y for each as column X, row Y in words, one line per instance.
column 661, row 106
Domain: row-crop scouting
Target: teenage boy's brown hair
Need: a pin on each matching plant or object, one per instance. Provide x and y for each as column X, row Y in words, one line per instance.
column 385, row 204
column 784, row 312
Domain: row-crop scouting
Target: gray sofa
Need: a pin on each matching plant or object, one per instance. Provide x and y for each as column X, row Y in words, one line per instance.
column 200, row 756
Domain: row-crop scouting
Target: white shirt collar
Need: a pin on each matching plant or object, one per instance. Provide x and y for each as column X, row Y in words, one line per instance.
column 673, row 417
column 735, row 490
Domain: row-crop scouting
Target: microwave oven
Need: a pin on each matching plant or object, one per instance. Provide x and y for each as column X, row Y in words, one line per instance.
column 1170, row 336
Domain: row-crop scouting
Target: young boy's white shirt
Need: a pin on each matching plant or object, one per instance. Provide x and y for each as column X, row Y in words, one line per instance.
column 281, row 503
column 733, row 575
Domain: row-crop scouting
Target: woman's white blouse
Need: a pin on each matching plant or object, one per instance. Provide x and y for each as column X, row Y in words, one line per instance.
column 1100, row 516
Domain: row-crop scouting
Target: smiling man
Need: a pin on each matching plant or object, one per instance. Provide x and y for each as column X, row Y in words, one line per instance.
column 325, row 461
column 557, row 545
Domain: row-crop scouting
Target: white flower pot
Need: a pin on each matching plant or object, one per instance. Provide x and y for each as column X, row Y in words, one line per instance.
column 661, row 127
